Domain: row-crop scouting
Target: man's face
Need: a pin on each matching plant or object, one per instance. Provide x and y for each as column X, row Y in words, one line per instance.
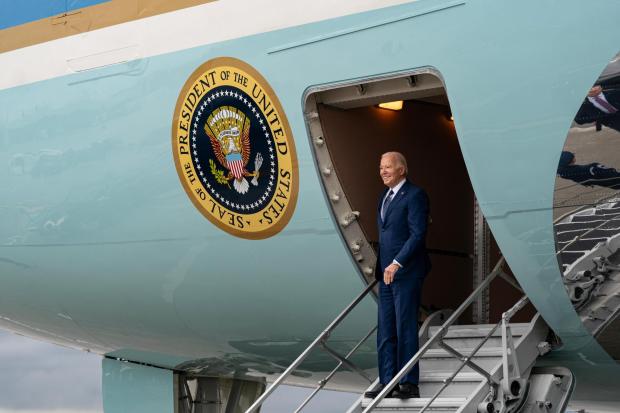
column 391, row 172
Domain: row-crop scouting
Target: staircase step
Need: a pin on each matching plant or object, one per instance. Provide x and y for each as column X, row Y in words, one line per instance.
column 572, row 226
column 470, row 342
column 440, row 361
column 582, row 244
column 440, row 405
column 592, row 218
column 440, row 377
column 465, row 391
column 482, row 353
column 461, row 386
column 605, row 211
column 570, row 235
column 571, row 257
column 480, row 330
column 469, row 336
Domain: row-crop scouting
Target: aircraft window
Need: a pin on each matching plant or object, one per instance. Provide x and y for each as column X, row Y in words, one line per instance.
column 587, row 203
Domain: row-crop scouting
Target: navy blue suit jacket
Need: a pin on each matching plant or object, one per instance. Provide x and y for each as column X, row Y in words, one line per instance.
column 402, row 233
column 589, row 113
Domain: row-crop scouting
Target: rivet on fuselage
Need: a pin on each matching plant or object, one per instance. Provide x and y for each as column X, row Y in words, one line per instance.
column 312, row 115
column 349, row 218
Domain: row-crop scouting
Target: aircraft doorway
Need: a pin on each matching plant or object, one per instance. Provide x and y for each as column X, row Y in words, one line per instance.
column 350, row 131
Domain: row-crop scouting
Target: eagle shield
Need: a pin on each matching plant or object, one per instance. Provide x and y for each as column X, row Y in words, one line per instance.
column 229, row 132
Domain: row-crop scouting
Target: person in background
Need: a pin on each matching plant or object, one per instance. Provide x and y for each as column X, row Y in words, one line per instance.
column 591, row 174
column 601, row 107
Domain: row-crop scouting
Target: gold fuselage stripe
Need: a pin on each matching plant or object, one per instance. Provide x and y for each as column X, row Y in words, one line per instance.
column 87, row 19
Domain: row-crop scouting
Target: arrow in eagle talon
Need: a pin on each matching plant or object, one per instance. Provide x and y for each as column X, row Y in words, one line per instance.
column 258, row 162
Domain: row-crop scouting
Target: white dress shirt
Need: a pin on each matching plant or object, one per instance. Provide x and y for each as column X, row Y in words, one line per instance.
column 598, row 105
column 394, row 190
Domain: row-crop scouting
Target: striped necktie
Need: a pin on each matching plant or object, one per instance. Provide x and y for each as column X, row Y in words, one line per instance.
column 386, row 204
column 609, row 108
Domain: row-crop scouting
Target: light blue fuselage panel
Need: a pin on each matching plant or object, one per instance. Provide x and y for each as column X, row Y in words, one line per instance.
column 101, row 248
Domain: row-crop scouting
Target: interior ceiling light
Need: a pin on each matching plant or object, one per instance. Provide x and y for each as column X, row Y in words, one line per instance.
column 396, row 105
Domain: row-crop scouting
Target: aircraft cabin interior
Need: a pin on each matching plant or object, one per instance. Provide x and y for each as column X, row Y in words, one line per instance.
column 351, row 126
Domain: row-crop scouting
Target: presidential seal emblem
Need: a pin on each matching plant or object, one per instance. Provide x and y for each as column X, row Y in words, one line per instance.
column 234, row 151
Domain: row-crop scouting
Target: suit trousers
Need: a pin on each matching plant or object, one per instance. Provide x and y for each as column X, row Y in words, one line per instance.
column 397, row 334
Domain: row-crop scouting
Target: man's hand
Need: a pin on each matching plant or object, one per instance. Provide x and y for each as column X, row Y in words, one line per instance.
column 595, row 91
column 389, row 273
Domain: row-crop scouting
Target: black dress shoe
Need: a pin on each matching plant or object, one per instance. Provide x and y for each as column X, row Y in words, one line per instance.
column 407, row 391
column 371, row 394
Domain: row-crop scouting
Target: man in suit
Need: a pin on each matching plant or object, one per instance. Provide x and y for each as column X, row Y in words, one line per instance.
column 402, row 217
column 601, row 106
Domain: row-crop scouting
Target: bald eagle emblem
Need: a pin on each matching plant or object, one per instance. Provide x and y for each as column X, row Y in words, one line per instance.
column 234, row 150
column 229, row 132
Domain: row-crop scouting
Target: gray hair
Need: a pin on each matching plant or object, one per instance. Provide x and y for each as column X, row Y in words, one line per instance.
column 399, row 158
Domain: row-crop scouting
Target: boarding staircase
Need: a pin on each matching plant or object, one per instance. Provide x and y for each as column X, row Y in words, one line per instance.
column 480, row 368
column 456, row 372
column 588, row 241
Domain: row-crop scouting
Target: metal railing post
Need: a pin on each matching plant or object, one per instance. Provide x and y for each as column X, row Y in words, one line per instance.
column 327, row 378
column 317, row 341
column 436, row 338
column 440, row 333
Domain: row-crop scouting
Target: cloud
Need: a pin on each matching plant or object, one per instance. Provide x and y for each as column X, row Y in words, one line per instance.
column 38, row 377
column 288, row 398
column 41, row 377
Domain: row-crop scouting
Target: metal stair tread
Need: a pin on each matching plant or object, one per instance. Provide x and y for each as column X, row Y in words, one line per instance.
column 479, row 330
column 592, row 218
column 467, row 376
column 418, row 402
column 483, row 352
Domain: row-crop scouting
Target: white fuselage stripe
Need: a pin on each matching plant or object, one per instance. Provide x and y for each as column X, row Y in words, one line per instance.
column 183, row 29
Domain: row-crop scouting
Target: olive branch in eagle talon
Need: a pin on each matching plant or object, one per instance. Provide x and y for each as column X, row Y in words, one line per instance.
column 217, row 174
column 229, row 132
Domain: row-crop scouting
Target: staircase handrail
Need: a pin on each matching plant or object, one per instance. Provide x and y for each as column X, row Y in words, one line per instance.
column 466, row 360
column 579, row 208
column 580, row 236
column 317, row 342
column 497, row 271
column 327, row 378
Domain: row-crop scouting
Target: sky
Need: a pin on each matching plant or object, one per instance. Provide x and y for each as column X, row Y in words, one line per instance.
column 38, row 377
column 41, row 377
